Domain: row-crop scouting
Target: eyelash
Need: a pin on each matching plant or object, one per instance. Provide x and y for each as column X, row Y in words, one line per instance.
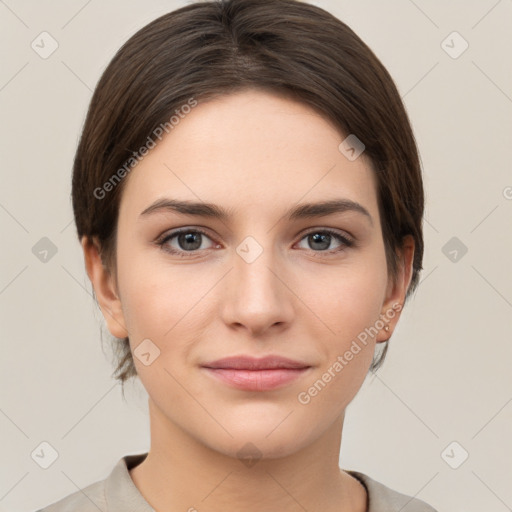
column 162, row 241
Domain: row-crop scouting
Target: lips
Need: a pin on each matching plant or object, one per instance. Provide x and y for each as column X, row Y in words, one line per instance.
column 256, row 374
column 253, row 363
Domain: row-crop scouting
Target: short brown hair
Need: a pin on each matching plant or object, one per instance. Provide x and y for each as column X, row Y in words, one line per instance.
column 212, row 48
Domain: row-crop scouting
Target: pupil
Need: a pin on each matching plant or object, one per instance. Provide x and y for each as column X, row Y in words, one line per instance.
column 317, row 238
column 188, row 238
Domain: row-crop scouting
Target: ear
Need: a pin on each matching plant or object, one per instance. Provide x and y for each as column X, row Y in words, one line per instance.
column 397, row 289
column 104, row 288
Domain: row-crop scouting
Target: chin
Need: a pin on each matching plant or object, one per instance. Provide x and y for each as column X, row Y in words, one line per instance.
column 254, row 443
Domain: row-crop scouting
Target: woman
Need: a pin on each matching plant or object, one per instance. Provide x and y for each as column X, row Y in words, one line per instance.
column 248, row 195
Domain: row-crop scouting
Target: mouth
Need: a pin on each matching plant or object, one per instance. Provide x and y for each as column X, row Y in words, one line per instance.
column 256, row 380
column 256, row 374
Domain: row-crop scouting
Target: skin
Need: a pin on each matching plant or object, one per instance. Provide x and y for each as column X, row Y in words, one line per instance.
column 258, row 155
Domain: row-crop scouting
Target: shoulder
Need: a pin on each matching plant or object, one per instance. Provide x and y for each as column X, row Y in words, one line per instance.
column 383, row 499
column 88, row 499
column 116, row 493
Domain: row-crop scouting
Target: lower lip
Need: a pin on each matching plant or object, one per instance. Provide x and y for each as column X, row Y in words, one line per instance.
column 257, row 380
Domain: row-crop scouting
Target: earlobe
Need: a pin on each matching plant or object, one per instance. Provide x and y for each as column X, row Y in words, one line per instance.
column 397, row 289
column 104, row 288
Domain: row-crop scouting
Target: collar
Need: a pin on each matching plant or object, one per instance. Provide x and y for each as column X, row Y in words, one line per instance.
column 121, row 493
column 123, row 496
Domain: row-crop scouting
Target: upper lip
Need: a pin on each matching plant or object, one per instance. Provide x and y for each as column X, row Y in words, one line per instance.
column 254, row 363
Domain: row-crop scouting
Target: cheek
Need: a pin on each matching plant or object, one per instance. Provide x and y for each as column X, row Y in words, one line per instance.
column 165, row 304
column 350, row 309
column 159, row 310
column 348, row 298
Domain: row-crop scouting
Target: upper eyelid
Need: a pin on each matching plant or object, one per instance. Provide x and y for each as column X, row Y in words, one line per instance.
column 168, row 235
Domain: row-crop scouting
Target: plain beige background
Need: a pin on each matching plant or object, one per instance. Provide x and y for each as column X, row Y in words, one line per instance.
column 447, row 377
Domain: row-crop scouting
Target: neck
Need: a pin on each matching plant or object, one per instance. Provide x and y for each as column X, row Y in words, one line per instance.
column 181, row 473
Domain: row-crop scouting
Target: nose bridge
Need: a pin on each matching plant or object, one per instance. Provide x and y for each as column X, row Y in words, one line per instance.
column 258, row 298
column 255, row 265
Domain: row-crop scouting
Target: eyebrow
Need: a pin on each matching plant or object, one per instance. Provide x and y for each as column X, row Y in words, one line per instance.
column 302, row 211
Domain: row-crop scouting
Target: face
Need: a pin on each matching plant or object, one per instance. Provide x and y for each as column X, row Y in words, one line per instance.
column 257, row 281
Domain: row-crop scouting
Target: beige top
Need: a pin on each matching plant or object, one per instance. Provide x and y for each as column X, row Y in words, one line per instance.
column 118, row 493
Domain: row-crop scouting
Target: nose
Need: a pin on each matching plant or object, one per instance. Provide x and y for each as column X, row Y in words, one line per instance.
column 257, row 294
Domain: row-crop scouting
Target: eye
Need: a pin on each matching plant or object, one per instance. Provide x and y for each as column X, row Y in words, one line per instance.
column 320, row 240
column 188, row 240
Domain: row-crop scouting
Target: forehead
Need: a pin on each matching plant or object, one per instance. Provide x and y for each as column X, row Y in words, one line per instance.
column 250, row 152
